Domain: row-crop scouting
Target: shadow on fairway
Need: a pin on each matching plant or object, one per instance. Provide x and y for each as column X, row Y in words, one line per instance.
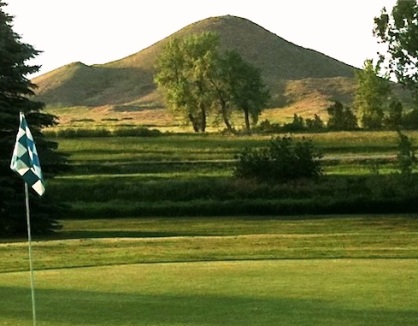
column 117, row 234
column 66, row 307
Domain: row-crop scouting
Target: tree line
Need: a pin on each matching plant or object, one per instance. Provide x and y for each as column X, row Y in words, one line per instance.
column 198, row 81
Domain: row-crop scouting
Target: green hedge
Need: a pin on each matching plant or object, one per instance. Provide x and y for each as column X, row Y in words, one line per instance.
column 103, row 132
column 258, row 207
column 227, row 196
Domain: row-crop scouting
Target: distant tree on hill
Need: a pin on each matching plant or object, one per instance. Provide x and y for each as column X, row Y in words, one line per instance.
column 297, row 124
column 243, row 86
column 198, row 81
column 394, row 118
column 15, row 91
column 372, row 94
column 341, row 118
column 184, row 72
column 410, row 120
column 315, row 124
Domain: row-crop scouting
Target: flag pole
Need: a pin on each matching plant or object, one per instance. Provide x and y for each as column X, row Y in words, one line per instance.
column 32, row 278
column 25, row 162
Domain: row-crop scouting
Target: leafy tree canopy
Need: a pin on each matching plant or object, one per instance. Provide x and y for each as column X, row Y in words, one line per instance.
column 398, row 30
column 198, row 80
column 372, row 94
column 341, row 118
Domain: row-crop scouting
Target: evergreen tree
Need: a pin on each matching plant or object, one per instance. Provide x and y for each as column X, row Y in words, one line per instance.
column 15, row 92
column 393, row 121
column 316, row 124
column 406, row 159
column 341, row 118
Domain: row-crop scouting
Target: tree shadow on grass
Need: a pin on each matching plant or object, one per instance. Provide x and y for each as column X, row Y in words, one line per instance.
column 74, row 307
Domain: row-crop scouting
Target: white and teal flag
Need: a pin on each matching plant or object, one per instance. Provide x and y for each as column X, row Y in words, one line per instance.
column 25, row 160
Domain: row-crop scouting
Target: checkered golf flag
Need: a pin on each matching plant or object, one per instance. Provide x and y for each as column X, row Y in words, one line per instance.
column 25, row 160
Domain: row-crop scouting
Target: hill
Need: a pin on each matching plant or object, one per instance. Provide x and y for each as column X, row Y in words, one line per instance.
column 299, row 79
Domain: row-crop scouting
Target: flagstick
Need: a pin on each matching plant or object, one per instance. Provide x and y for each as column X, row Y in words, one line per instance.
column 32, row 281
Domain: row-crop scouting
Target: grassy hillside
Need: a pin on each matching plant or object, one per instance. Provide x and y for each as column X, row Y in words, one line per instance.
column 299, row 78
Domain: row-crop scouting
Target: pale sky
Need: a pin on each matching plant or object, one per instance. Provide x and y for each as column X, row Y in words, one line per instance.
column 99, row 31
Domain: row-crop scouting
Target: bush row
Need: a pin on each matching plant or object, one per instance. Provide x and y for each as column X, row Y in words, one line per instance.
column 103, row 132
column 220, row 196
column 259, row 207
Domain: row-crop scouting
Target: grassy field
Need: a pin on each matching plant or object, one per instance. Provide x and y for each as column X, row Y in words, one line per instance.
column 189, row 174
column 156, row 240
column 208, row 271
column 140, row 245
column 294, row 292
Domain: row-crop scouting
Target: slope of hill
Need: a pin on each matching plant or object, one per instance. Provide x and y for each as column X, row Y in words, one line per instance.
column 296, row 76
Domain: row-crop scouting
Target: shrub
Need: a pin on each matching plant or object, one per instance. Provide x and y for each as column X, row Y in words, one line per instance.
column 266, row 126
column 137, row 132
column 283, row 160
column 80, row 132
column 406, row 156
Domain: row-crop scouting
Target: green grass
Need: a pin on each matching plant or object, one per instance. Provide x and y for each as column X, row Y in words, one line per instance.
column 353, row 152
column 153, row 240
column 186, row 174
column 331, row 142
column 208, row 271
column 304, row 292
column 343, row 146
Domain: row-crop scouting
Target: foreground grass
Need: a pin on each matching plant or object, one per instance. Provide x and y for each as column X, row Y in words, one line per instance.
column 217, row 271
column 297, row 292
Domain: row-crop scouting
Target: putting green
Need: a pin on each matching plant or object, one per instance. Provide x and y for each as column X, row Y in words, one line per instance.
column 278, row 292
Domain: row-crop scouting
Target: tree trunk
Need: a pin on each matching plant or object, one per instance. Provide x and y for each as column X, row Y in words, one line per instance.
column 194, row 123
column 247, row 120
column 225, row 118
column 203, row 118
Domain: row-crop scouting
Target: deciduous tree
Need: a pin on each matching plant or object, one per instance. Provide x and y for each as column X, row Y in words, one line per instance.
column 184, row 71
column 243, row 85
column 372, row 94
column 398, row 30
column 341, row 118
column 198, row 80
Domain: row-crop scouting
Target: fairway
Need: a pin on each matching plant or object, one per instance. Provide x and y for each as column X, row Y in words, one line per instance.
column 286, row 292
column 311, row 270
